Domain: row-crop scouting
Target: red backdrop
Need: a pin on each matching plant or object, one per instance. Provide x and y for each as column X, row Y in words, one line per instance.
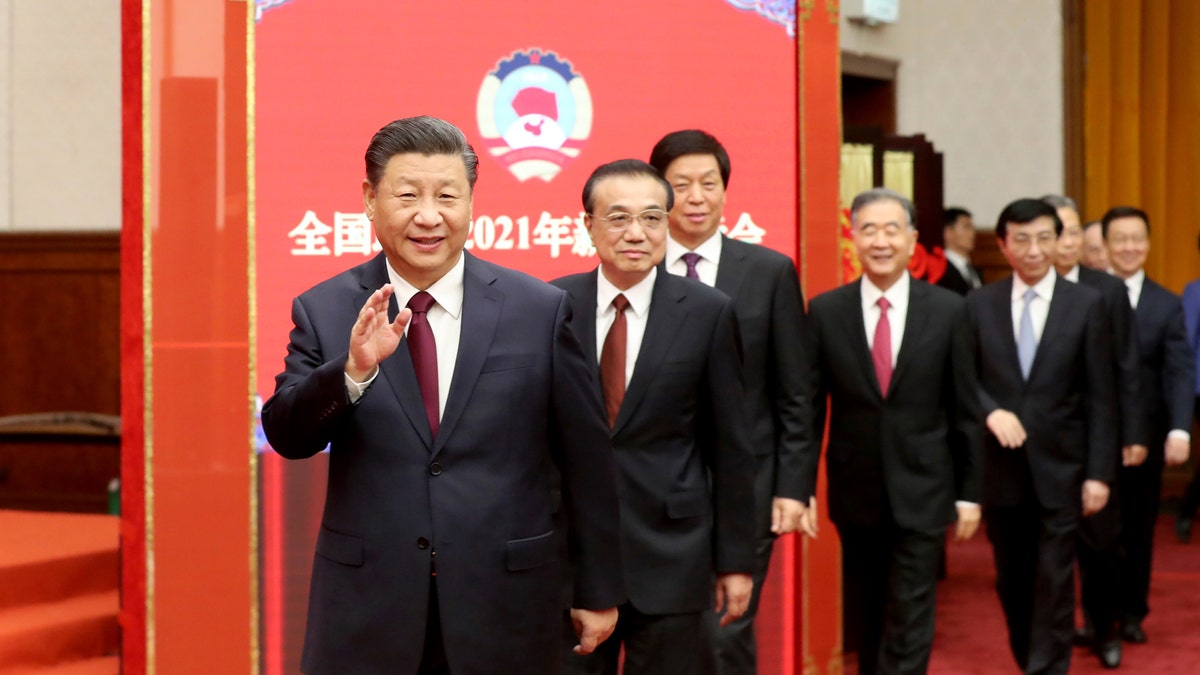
column 612, row 78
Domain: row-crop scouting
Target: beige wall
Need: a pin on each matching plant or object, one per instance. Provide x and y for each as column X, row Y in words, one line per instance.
column 983, row 81
column 60, row 115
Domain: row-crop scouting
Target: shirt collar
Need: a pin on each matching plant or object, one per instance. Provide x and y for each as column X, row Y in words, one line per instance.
column 957, row 259
column 1044, row 287
column 897, row 295
column 709, row 249
column 447, row 291
column 1135, row 282
column 1073, row 274
column 638, row 294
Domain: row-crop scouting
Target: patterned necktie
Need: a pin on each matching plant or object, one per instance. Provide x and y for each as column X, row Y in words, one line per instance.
column 424, row 356
column 612, row 361
column 881, row 349
column 1026, row 339
column 690, row 259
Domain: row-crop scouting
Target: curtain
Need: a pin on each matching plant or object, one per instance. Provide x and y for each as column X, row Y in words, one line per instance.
column 1142, row 123
column 857, row 175
column 898, row 171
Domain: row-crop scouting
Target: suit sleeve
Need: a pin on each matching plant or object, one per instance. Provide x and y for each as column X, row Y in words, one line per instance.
column 301, row 417
column 1179, row 369
column 1129, row 368
column 987, row 404
column 966, row 442
column 582, row 450
column 789, row 358
column 815, row 393
column 731, row 461
column 1101, row 462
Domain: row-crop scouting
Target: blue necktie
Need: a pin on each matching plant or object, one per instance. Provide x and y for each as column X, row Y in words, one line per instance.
column 1026, row 339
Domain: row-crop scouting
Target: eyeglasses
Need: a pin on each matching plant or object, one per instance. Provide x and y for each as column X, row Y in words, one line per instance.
column 650, row 219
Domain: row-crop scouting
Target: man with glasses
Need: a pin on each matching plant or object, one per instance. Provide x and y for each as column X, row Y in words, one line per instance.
column 668, row 357
column 1043, row 350
column 770, row 307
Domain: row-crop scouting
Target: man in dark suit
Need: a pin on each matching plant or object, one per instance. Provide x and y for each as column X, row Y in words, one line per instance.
column 444, row 387
column 958, row 242
column 1168, row 370
column 770, row 308
column 1191, row 495
column 669, row 362
column 892, row 353
column 1044, row 357
column 1099, row 543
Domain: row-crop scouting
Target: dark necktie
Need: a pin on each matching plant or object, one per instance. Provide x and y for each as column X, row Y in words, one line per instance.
column 424, row 356
column 881, row 350
column 612, row 361
column 690, row 259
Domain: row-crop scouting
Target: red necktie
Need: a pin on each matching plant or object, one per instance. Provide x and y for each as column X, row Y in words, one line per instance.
column 424, row 356
column 881, row 350
column 612, row 361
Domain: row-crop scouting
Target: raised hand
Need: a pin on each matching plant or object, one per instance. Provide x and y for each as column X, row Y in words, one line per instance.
column 373, row 339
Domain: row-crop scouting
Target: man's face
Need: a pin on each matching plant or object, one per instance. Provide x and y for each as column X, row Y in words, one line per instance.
column 1070, row 243
column 1128, row 244
column 627, row 255
column 421, row 209
column 1095, row 253
column 699, row 198
column 884, row 241
column 960, row 236
column 1029, row 248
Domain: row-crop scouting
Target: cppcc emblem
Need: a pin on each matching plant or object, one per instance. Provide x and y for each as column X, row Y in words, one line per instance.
column 535, row 114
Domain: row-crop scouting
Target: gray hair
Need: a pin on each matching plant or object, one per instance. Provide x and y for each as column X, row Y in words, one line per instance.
column 881, row 194
column 1060, row 202
column 421, row 135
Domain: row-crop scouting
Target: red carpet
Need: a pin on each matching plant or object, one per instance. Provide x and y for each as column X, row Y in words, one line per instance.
column 971, row 637
column 58, row 593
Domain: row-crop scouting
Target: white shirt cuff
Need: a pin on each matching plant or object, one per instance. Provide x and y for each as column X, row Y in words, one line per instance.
column 1185, row 436
column 355, row 390
column 962, row 503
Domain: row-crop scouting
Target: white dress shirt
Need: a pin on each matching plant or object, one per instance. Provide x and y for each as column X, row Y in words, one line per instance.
column 963, row 265
column 706, row 267
column 1039, row 310
column 1073, row 275
column 445, row 320
column 897, row 297
column 639, row 296
column 1134, row 284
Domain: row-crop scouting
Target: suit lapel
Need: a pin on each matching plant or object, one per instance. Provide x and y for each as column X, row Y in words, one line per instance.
column 482, row 303
column 398, row 369
column 667, row 313
column 856, row 333
column 1002, row 306
column 914, row 326
column 731, row 270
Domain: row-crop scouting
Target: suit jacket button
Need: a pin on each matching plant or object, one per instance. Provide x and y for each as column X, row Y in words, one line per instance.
column 435, row 469
column 422, row 543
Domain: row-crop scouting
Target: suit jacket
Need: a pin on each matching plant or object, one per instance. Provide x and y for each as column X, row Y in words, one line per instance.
column 478, row 494
column 1168, row 365
column 915, row 452
column 1191, row 320
column 685, row 471
column 953, row 280
column 1125, row 350
column 1067, row 406
column 769, row 304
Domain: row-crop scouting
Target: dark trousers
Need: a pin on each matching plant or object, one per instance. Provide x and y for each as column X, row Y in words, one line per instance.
column 891, row 586
column 670, row 644
column 1141, row 489
column 433, row 656
column 1100, row 563
column 1034, row 549
column 734, row 644
column 1191, row 496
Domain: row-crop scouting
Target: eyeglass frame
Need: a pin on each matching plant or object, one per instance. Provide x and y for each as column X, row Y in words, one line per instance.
column 634, row 217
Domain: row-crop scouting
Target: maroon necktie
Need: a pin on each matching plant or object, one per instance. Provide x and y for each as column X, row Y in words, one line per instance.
column 881, row 350
column 424, row 356
column 612, row 361
column 690, row 259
